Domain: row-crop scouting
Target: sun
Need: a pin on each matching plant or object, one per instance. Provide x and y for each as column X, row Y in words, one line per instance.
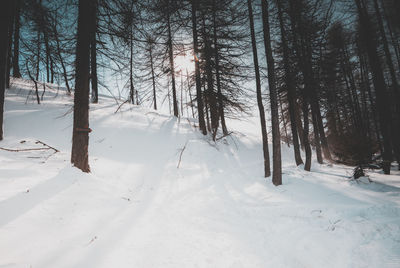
column 184, row 63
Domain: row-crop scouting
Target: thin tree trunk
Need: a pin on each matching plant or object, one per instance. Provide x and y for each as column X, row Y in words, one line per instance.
column 212, row 101
column 38, row 56
column 317, row 140
column 60, row 57
column 5, row 12
column 172, row 66
column 10, row 41
column 199, row 97
column 289, row 80
column 217, row 74
column 93, row 55
column 131, row 87
column 264, row 134
column 16, row 71
column 51, row 70
column 47, row 51
column 80, row 137
column 283, row 120
column 153, row 80
column 182, row 94
column 190, row 93
column 307, row 147
column 276, row 139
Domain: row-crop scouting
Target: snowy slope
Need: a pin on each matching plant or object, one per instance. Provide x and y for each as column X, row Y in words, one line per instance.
column 138, row 209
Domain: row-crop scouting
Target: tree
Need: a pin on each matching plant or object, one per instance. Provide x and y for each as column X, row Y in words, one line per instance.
column 199, row 97
column 383, row 102
column 264, row 135
column 6, row 7
column 93, row 53
column 80, row 136
column 290, row 85
column 276, row 138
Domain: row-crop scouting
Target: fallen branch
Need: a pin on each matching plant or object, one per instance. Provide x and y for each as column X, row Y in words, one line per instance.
column 180, row 156
column 119, row 107
column 41, row 142
column 223, row 136
column 24, row 150
column 48, row 147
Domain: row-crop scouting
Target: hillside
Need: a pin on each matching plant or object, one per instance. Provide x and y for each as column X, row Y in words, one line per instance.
column 161, row 195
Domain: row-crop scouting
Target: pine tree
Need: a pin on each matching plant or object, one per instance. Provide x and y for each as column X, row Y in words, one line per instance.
column 276, row 138
column 264, row 135
column 80, row 136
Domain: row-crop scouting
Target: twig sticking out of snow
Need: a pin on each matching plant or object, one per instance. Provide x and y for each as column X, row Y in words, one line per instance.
column 180, row 156
column 119, row 107
column 40, row 142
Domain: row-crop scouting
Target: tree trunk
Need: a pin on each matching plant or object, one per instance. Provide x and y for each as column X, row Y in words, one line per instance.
column 172, row 67
column 60, row 57
column 217, row 74
column 199, row 97
column 190, row 93
column 382, row 100
column 38, row 56
column 10, row 41
column 289, row 80
column 212, row 101
column 307, row 147
column 80, row 137
column 264, row 134
column 153, row 80
column 131, row 87
column 276, row 139
column 47, row 51
column 93, row 55
column 17, row 24
column 283, row 120
column 317, row 140
column 4, row 27
column 51, row 70
column 395, row 85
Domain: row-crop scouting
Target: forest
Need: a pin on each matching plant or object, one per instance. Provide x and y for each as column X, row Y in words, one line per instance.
column 332, row 67
column 200, row 133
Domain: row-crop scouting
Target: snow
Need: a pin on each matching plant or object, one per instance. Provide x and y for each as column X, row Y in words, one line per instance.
column 138, row 209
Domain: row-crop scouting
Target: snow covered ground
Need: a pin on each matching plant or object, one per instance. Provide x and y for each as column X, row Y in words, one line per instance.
column 137, row 208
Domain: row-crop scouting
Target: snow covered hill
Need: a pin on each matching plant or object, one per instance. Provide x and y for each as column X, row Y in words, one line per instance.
column 162, row 195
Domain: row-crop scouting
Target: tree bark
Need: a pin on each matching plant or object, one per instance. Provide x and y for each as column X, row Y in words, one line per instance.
column 395, row 85
column 276, row 139
column 382, row 100
column 93, row 54
column 10, row 41
column 17, row 25
column 221, row 113
column 199, row 97
column 264, row 134
column 291, row 93
column 171, row 65
column 80, row 137
column 131, row 87
column 4, row 27
column 153, row 80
